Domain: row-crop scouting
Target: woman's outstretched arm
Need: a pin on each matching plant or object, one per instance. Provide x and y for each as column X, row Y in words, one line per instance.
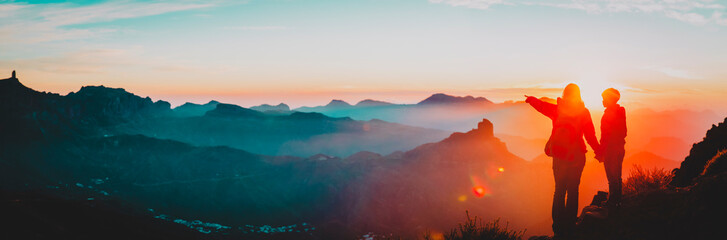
column 548, row 109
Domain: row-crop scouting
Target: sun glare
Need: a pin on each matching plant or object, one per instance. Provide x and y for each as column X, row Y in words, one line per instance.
column 478, row 191
column 591, row 89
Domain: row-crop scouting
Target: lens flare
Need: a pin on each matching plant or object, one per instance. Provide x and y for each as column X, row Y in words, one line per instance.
column 502, row 169
column 479, row 191
column 462, row 198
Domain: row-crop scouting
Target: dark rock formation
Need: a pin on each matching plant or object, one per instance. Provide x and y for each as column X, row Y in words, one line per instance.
column 700, row 154
column 113, row 105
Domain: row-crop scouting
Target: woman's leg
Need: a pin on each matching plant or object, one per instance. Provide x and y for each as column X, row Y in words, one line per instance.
column 558, row 210
column 575, row 169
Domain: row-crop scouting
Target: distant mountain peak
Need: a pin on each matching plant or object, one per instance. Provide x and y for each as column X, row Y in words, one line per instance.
column 338, row 103
column 231, row 110
column 363, row 156
column 12, row 81
column 371, row 102
column 191, row 104
column 441, row 98
column 282, row 107
column 11, row 88
column 322, row 157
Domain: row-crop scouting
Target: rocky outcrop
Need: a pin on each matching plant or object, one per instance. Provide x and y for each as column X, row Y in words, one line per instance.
column 700, row 154
column 114, row 105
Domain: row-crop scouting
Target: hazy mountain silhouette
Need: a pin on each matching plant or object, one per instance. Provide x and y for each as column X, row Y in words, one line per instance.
column 299, row 134
column 224, row 110
column 372, row 103
column 441, row 98
column 647, row 160
column 671, row 148
column 281, row 108
column 522, row 128
column 439, row 111
column 100, row 111
column 192, row 109
column 335, row 103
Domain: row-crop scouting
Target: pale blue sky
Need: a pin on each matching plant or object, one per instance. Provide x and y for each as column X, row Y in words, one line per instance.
column 305, row 52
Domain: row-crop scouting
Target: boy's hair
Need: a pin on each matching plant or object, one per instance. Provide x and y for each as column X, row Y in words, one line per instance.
column 611, row 93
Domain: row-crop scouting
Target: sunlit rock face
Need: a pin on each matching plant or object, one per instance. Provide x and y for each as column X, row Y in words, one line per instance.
column 433, row 185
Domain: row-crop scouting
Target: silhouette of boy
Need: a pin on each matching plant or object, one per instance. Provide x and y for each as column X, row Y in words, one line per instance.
column 571, row 123
column 613, row 134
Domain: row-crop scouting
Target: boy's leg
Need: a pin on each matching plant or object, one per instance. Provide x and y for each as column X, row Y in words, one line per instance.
column 613, row 163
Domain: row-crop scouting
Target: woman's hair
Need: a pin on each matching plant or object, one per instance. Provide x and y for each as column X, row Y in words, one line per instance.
column 572, row 93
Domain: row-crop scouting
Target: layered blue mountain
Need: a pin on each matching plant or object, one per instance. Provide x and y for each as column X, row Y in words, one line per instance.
column 107, row 111
column 189, row 109
column 281, row 108
column 295, row 133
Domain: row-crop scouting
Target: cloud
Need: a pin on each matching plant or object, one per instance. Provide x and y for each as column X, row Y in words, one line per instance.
column 93, row 60
column 675, row 73
column 83, row 61
column 697, row 12
column 256, row 28
column 33, row 23
column 478, row 4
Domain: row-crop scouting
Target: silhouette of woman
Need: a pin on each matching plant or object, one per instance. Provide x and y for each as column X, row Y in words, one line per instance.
column 571, row 123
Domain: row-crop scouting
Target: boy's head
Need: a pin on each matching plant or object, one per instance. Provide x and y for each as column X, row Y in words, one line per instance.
column 610, row 97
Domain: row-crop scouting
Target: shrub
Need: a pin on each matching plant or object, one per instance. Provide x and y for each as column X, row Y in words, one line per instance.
column 642, row 181
column 717, row 164
column 476, row 229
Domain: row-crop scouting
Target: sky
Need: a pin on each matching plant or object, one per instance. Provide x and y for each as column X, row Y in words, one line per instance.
column 661, row 54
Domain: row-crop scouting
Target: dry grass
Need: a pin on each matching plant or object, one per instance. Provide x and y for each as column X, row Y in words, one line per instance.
column 476, row 229
column 642, row 181
column 717, row 164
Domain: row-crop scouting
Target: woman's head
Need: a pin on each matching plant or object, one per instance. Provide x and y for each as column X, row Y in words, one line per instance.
column 572, row 93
